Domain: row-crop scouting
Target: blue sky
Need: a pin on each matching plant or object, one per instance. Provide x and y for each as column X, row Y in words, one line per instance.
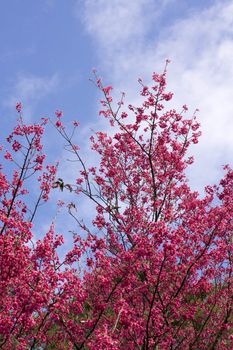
column 49, row 47
column 46, row 57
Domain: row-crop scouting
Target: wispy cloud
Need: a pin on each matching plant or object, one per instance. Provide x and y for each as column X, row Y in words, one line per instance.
column 119, row 29
column 30, row 89
column 104, row 20
column 201, row 48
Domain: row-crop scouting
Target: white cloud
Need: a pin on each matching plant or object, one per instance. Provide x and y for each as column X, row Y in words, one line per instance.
column 104, row 19
column 119, row 28
column 201, row 48
column 29, row 89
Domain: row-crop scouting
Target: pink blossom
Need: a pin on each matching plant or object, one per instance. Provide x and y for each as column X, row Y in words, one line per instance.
column 58, row 113
column 18, row 107
column 58, row 123
column 16, row 146
column 168, row 96
column 107, row 89
column 76, row 123
column 152, row 265
column 8, row 156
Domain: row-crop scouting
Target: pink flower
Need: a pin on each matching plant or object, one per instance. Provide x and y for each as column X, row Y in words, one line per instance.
column 195, row 140
column 58, row 124
column 79, row 181
column 16, row 146
column 124, row 115
column 59, row 114
column 76, row 123
column 168, row 96
column 40, row 159
column 18, row 107
column 8, row 156
column 107, row 90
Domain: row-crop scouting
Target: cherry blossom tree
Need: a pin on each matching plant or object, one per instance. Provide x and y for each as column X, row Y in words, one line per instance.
column 156, row 264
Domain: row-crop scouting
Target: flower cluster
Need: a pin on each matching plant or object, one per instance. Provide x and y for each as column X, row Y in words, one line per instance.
column 153, row 270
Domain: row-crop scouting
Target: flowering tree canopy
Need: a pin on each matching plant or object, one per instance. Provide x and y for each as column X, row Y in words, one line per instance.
column 156, row 266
